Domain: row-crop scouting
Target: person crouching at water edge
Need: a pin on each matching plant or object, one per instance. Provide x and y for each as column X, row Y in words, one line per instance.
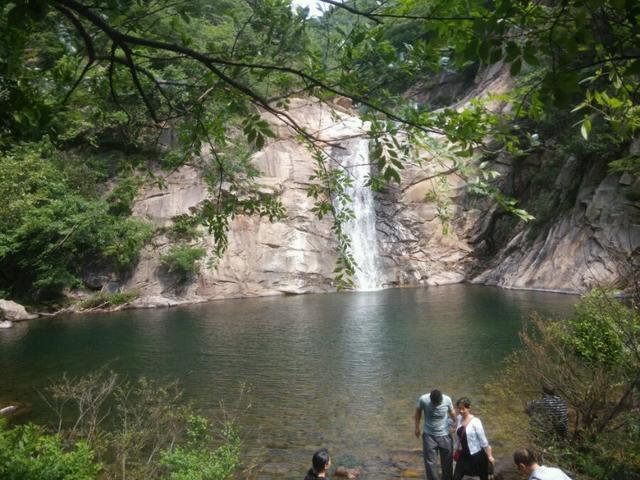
column 527, row 463
column 320, row 462
column 436, row 437
column 473, row 452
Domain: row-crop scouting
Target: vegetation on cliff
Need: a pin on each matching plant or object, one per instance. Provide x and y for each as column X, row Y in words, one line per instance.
column 101, row 81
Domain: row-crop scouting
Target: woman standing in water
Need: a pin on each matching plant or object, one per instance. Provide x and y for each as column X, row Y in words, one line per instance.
column 320, row 464
column 473, row 451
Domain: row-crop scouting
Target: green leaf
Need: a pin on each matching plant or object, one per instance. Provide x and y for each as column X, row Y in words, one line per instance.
column 483, row 51
column 585, row 128
column 515, row 67
column 513, row 51
column 529, row 55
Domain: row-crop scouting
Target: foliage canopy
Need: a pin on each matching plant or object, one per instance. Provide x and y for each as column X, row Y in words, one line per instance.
column 112, row 73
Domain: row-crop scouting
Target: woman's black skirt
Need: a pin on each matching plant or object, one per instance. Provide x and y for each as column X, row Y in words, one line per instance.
column 476, row 465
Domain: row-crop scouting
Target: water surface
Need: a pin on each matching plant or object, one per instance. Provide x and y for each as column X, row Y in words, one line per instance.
column 336, row 370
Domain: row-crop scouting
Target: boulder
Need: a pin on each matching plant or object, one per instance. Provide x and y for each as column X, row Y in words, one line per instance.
column 14, row 312
column 8, row 410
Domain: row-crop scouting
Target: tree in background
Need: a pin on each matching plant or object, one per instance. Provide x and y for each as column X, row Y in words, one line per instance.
column 112, row 72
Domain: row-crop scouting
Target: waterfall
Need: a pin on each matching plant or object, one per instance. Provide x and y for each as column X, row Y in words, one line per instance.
column 362, row 229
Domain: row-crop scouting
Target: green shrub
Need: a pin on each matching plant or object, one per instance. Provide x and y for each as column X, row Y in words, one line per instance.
column 48, row 229
column 182, row 260
column 143, row 429
column 196, row 461
column 123, row 195
column 592, row 359
column 596, row 330
column 28, row 453
column 185, row 227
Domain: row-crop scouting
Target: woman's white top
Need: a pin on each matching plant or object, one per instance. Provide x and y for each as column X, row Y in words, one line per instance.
column 476, row 439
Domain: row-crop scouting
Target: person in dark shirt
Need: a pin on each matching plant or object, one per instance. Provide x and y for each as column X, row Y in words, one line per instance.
column 320, row 462
column 549, row 413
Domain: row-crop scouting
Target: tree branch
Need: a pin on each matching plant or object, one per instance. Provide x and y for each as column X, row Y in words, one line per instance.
column 212, row 64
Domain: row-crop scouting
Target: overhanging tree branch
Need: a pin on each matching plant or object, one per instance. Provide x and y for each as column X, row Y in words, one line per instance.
column 213, row 63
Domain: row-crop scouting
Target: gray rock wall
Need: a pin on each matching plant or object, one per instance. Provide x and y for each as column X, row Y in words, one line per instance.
column 581, row 247
column 589, row 239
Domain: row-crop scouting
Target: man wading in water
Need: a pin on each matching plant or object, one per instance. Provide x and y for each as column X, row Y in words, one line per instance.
column 436, row 437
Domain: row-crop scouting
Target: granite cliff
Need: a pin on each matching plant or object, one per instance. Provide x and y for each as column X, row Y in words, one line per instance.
column 591, row 231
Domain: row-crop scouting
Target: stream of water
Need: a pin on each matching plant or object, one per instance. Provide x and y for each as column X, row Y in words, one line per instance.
column 362, row 229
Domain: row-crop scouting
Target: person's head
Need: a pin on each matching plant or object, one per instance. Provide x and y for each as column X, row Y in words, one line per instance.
column 548, row 389
column 463, row 405
column 526, row 460
column 436, row 397
column 321, row 460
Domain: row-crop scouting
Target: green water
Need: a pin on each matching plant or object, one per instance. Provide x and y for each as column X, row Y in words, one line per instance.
column 335, row 370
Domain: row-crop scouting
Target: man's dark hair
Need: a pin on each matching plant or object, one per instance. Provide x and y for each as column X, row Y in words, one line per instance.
column 548, row 389
column 436, row 397
column 320, row 460
column 525, row 456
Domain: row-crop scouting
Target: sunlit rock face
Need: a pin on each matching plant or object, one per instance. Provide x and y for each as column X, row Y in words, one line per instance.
column 298, row 254
column 412, row 244
column 590, row 238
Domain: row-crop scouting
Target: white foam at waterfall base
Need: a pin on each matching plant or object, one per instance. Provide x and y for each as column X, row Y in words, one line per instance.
column 362, row 230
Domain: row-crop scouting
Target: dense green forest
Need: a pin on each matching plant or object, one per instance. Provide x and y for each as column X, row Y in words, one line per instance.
column 87, row 89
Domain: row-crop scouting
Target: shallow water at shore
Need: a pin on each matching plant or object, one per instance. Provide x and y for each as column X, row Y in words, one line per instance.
column 336, row 370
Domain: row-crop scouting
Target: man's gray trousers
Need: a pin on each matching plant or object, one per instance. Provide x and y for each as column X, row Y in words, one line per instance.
column 431, row 446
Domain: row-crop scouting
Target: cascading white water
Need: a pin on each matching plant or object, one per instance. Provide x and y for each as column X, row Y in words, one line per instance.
column 361, row 230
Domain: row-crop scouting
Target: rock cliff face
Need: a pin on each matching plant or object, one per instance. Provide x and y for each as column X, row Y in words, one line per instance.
column 587, row 234
column 580, row 246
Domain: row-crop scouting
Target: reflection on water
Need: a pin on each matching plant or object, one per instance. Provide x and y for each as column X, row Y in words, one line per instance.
column 336, row 370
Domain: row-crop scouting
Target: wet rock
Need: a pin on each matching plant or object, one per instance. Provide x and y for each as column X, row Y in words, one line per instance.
column 506, row 470
column 6, row 324
column 153, row 302
column 626, row 179
column 418, row 243
column 8, row 410
column 14, row 312
column 349, row 473
column 412, row 473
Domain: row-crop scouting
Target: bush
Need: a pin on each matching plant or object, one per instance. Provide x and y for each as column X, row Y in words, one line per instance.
column 194, row 461
column 143, row 429
column 593, row 361
column 28, row 453
column 182, row 261
column 48, row 230
column 185, row 227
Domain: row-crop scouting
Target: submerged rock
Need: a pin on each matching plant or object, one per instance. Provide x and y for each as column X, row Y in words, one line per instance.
column 349, row 473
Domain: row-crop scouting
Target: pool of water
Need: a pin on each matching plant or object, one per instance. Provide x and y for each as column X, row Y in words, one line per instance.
column 337, row 370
